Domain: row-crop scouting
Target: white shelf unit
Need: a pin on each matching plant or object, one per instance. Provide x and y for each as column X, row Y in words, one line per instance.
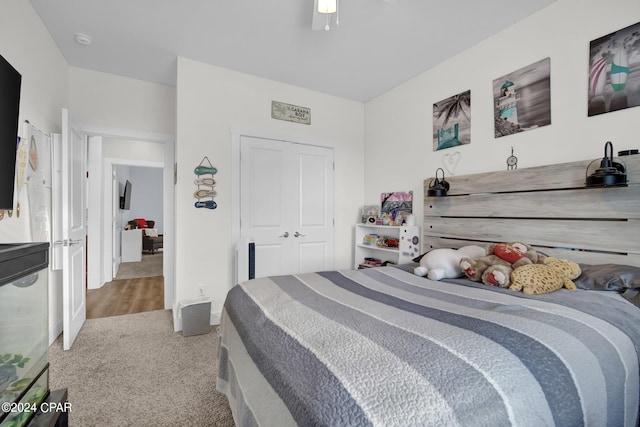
column 408, row 238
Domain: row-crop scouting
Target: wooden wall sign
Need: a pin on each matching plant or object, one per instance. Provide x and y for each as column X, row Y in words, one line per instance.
column 291, row 113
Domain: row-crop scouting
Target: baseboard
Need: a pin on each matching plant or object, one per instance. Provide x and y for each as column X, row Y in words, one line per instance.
column 215, row 318
column 177, row 320
column 55, row 331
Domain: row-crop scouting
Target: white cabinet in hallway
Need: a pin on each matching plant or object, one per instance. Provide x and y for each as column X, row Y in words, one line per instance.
column 131, row 245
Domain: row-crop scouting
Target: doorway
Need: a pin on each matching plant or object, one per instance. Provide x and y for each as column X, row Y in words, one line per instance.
column 101, row 205
column 137, row 285
column 144, row 191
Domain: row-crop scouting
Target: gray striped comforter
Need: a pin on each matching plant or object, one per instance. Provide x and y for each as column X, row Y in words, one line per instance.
column 384, row 347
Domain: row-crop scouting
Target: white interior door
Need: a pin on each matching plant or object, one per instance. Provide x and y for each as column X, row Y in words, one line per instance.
column 73, row 230
column 286, row 205
column 314, row 224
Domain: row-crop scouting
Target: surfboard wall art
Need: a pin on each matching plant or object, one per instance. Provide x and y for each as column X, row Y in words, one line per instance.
column 614, row 71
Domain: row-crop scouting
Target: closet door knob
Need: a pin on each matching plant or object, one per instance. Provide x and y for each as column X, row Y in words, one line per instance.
column 296, row 234
column 285, row 234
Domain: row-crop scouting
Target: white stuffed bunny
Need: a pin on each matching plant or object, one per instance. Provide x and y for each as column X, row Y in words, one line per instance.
column 439, row 264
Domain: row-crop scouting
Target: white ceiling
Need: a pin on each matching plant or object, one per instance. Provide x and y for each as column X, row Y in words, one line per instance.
column 378, row 45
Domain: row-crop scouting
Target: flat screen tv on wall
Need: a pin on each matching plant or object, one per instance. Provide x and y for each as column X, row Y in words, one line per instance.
column 125, row 200
column 10, row 81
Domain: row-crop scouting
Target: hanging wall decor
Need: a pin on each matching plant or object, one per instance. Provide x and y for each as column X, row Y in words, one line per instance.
column 522, row 99
column 614, row 71
column 21, row 166
column 204, row 184
column 512, row 161
column 450, row 162
column 290, row 113
column 452, row 121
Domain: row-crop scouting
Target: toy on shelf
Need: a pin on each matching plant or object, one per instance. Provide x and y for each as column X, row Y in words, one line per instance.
column 204, row 191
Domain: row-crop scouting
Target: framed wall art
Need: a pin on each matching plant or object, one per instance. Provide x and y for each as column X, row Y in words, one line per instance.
column 394, row 207
column 452, row 121
column 522, row 99
column 614, row 71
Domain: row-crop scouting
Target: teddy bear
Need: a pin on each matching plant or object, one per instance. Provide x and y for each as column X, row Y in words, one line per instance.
column 500, row 259
column 473, row 268
column 444, row 263
column 516, row 253
column 549, row 276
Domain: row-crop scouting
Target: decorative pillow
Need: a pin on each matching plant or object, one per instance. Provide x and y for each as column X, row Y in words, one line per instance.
column 142, row 223
column 151, row 232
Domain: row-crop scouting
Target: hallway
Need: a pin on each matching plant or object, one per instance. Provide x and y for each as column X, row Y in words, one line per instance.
column 126, row 296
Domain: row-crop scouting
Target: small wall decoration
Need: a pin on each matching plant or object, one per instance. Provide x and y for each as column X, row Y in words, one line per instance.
column 522, row 99
column 291, row 113
column 395, row 207
column 205, row 183
column 512, row 161
column 614, row 71
column 452, row 121
column 21, row 168
column 450, row 162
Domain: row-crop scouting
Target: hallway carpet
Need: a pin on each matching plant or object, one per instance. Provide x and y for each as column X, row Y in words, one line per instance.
column 151, row 265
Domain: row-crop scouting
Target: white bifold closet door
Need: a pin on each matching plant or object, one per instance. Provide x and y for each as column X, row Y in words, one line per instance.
column 287, row 205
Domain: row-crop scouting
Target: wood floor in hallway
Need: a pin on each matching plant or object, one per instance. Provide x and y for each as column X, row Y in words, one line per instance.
column 126, row 297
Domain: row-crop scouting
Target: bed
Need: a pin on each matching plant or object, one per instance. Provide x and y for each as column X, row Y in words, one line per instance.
column 385, row 347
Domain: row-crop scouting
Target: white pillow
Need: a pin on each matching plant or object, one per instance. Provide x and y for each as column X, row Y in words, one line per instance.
column 151, row 232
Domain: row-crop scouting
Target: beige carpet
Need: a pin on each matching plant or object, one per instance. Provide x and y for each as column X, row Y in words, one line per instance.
column 150, row 266
column 134, row 370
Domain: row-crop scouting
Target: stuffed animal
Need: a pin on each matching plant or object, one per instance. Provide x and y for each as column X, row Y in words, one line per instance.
column 442, row 263
column 515, row 254
column 497, row 275
column 529, row 251
column 551, row 275
column 500, row 259
column 474, row 268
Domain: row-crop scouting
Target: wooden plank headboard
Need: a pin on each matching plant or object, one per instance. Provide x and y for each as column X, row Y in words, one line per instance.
column 548, row 207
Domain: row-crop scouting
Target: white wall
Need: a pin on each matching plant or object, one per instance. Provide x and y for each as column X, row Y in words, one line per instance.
column 399, row 124
column 109, row 100
column 213, row 101
column 27, row 45
column 144, row 151
column 146, row 200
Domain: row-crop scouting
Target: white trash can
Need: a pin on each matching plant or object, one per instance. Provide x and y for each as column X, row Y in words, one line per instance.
column 196, row 316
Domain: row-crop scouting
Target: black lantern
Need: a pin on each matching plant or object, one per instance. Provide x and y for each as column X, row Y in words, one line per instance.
column 438, row 188
column 609, row 173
